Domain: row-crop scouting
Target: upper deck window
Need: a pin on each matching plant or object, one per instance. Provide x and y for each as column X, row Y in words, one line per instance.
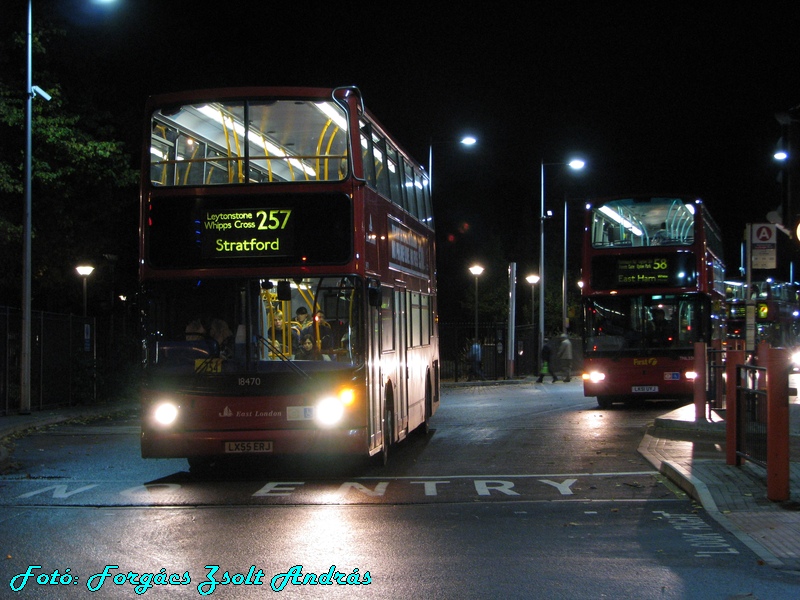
column 285, row 141
column 643, row 222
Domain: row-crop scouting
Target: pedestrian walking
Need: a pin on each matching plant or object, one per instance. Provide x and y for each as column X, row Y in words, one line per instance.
column 565, row 356
column 546, row 366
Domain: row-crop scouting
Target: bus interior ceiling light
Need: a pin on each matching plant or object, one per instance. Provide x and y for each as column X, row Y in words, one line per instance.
column 274, row 150
column 614, row 215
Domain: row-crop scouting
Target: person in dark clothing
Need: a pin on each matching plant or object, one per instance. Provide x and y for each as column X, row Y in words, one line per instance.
column 546, row 368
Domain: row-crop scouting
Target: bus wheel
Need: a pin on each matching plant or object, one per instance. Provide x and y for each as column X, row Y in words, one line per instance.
column 605, row 401
column 388, row 428
column 425, row 427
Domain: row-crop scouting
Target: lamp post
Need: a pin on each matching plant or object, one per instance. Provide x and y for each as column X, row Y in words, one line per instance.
column 573, row 164
column 476, row 270
column 533, row 280
column 25, row 345
column 25, row 349
column 84, row 271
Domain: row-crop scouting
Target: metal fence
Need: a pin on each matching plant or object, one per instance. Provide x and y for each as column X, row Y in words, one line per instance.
column 74, row 360
column 455, row 340
column 751, row 414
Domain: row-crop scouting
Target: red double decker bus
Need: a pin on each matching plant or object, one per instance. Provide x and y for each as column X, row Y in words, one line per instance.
column 777, row 311
column 653, row 285
column 287, row 271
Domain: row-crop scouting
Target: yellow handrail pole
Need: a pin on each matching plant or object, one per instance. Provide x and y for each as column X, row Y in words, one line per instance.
column 328, row 150
column 227, row 144
column 189, row 166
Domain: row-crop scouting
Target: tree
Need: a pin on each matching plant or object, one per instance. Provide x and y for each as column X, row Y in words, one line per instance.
column 83, row 184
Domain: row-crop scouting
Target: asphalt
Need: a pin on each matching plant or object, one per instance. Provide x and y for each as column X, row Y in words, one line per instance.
column 689, row 453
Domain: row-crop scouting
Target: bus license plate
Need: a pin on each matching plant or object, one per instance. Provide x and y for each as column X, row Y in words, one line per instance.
column 246, row 447
column 644, row 389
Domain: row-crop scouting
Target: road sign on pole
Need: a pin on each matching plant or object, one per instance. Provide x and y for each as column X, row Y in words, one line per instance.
column 764, row 244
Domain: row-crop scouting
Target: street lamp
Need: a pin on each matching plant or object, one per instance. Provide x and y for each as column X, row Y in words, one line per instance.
column 476, row 270
column 84, row 271
column 533, row 280
column 574, row 164
column 25, row 346
column 465, row 141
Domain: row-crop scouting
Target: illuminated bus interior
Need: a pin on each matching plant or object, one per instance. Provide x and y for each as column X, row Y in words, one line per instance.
column 632, row 222
column 226, row 325
column 288, row 140
column 645, row 322
column 776, row 307
column 207, row 143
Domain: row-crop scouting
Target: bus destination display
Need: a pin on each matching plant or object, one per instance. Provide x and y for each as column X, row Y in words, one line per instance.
column 615, row 272
column 246, row 233
column 650, row 270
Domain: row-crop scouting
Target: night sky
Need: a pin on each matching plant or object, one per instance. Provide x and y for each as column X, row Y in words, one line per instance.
column 655, row 96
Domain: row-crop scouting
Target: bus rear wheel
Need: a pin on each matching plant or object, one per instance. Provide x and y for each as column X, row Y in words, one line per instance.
column 387, row 426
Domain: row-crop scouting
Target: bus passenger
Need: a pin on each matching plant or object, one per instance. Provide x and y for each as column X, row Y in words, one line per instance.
column 195, row 331
column 275, row 332
column 661, row 236
column 224, row 337
column 661, row 333
column 301, row 320
column 325, row 330
column 306, row 350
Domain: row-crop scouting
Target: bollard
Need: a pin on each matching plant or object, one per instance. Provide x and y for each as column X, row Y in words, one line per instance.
column 732, row 360
column 700, row 381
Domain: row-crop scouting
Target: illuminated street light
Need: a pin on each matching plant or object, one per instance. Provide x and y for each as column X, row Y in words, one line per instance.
column 574, row 164
column 476, row 270
column 533, row 280
column 84, row 271
column 465, row 141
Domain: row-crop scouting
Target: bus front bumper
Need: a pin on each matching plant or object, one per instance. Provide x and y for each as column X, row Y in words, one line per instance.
column 185, row 444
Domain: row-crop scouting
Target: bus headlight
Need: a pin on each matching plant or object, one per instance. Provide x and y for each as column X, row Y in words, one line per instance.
column 165, row 413
column 594, row 376
column 795, row 358
column 691, row 375
column 330, row 410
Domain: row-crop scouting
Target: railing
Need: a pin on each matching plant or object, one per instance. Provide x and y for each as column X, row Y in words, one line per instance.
column 715, row 383
column 74, row 359
column 751, row 414
column 758, row 420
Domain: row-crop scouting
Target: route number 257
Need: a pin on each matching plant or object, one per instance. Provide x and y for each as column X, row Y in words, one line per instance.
column 273, row 219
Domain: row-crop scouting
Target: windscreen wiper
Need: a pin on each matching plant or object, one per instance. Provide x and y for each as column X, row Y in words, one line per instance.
column 273, row 347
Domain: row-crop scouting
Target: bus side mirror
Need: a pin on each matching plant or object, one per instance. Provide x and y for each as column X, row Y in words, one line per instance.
column 284, row 291
column 374, row 293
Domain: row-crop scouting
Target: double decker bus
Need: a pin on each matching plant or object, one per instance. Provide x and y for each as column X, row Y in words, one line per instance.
column 652, row 287
column 777, row 311
column 270, row 217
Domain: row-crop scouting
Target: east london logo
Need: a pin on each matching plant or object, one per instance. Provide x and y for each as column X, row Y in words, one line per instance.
column 227, row 412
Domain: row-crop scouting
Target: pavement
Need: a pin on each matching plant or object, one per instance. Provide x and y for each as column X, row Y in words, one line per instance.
column 691, row 454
